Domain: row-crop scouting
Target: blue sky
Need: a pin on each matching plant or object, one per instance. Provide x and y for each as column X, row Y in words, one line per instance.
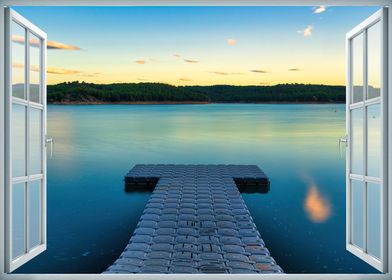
column 197, row 45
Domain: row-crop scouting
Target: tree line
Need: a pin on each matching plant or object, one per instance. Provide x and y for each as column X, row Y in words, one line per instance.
column 81, row 92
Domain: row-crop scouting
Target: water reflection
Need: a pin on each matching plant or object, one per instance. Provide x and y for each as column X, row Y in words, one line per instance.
column 88, row 210
column 63, row 128
column 317, row 206
column 34, row 42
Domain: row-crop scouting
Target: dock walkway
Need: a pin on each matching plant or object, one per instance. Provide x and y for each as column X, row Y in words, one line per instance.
column 196, row 222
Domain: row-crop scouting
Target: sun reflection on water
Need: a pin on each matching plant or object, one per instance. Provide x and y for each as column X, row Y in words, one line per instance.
column 316, row 205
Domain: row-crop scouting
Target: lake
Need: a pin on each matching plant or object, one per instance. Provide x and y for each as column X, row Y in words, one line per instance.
column 91, row 218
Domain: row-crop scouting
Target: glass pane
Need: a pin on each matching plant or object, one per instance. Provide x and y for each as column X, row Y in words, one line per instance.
column 18, row 60
column 35, row 160
column 35, row 66
column 374, row 140
column 35, row 213
column 357, row 141
column 374, row 60
column 18, row 138
column 374, row 220
column 357, row 218
column 18, row 220
column 357, row 68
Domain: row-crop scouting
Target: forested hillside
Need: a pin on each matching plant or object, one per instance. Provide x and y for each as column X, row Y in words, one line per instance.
column 80, row 92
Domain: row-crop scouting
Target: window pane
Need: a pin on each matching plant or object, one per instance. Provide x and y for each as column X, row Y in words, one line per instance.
column 35, row 67
column 374, row 220
column 357, row 68
column 18, row 220
column 18, row 60
column 374, row 140
column 35, row 160
column 18, row 138
column 374, row 60
column 357, row 218
column 357, row 141
column 35, row 213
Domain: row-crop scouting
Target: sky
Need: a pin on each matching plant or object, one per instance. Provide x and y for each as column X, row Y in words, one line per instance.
column 197, row 45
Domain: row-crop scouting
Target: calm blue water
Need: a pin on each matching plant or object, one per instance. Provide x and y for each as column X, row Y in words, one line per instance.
column 91, row 218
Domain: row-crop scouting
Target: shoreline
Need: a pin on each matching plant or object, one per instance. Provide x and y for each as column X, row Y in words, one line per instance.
column 180, row 103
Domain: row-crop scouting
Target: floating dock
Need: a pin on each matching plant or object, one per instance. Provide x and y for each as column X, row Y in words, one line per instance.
column 196, row 221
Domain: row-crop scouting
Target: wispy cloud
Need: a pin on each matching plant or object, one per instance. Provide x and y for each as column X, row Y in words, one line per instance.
column 61, row 71
column 34, row 68
column 95, row 74
column 219, row 73
column 141, row 61
column 57, row 70
column 307, row 31
column 142, row 80
column 60, row 46
column 177, row 55
column 231, row 41
column 21, row 40
column 295, row 69
column 50, row 44
column 259, row 71
column 319, row 9
column 153, row 60
column 17, row 65
column 191, row 60
column 226, row 73
column 185, row 80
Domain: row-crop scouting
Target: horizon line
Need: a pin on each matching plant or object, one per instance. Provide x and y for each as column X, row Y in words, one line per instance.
column 195, row 85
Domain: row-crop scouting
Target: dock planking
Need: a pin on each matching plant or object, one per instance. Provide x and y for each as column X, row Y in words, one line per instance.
column 196, row 221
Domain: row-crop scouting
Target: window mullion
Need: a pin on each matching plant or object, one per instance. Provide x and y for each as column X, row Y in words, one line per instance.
column 365, row 137
column 27, row 193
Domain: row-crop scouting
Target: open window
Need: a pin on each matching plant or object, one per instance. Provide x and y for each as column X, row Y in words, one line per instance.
column 367, row 141
column 25, row 184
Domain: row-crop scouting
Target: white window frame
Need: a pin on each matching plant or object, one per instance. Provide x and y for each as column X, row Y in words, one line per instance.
column 29, row 28
column 381, row 17
column 4, row 3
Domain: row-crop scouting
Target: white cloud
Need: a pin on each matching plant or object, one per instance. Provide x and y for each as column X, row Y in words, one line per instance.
column 231, row 41
column 319, row 10
column 307, row 31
